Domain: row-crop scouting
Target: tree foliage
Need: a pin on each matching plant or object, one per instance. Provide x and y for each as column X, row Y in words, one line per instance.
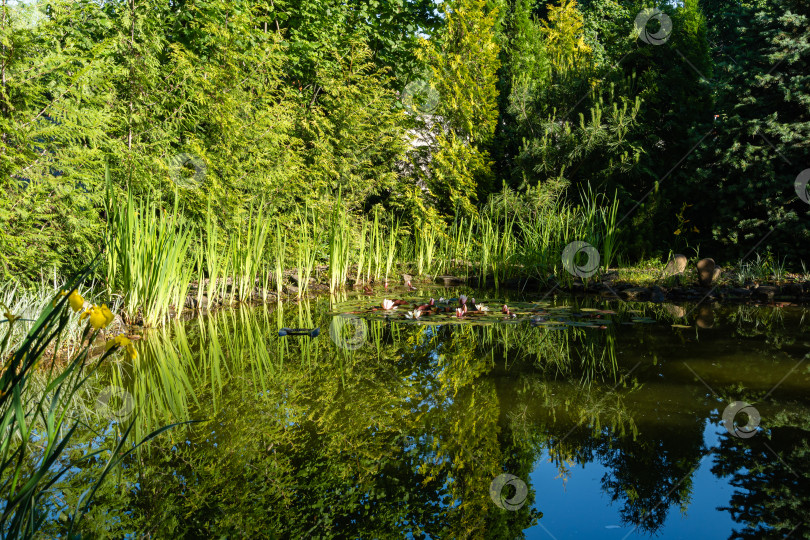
column 287, row 104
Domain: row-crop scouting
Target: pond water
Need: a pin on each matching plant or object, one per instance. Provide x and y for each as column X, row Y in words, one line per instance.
column 574, row 418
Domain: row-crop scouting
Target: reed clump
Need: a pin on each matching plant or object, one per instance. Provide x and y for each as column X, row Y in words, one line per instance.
column 151, row 255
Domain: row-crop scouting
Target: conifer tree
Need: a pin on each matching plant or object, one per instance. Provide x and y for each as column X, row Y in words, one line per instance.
column 747, row 174
column 53, row 135
column 464, row 62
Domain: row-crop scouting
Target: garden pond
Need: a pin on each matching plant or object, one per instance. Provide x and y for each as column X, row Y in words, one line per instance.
column 557, row 417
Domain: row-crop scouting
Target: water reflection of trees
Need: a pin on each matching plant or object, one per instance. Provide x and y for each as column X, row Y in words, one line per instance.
column 299, row 438
column 771, row 474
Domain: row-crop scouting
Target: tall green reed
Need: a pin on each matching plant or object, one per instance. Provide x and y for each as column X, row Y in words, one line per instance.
column 609, row 232
column 391, row 246
column 425, row 241
column 279, row 255
column 308, row 238
column 216, row 263
column 247, row 255
column 147, row 257
column 340, row 246
column 362, row 260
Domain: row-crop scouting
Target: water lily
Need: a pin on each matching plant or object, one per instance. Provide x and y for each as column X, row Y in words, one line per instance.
column 460, row 312
column 462, row 299
column 388, row 304
column 415, row 314
column 481, row 307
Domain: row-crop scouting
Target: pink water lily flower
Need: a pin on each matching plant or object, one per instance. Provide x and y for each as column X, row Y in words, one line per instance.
column 460, row 312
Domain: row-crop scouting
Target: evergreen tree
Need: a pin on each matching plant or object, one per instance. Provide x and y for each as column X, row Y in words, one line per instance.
column 575, row 120
column 464, row 63
column 746, row 176
column 54, row 122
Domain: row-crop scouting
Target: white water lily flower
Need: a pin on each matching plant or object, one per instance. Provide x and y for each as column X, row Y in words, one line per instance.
column 388, row 305
column 415, row 314
column 481, row 307
column 442, row 300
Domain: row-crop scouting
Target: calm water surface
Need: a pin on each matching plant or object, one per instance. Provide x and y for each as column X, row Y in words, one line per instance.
column 609, row 421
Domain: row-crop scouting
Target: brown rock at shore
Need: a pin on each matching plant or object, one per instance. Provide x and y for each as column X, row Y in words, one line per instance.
column 706, row 272
column 676, row 265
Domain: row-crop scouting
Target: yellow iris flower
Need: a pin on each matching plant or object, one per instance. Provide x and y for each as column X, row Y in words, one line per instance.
column 125, row 342
column 100, row 316
column 97, row 318
column 58, row 296
column 76, row 301
column 7, row 313
column 108, row 315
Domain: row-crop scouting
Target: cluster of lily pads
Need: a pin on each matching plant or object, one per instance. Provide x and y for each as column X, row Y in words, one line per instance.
column 468, row 310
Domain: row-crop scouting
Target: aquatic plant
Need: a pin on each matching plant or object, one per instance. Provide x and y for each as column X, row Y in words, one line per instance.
column 36, row 428
column 247, row 249
column 279, row 254
column 308, row 240
column 147, row 258
column 425, row 239
column 340, row 246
